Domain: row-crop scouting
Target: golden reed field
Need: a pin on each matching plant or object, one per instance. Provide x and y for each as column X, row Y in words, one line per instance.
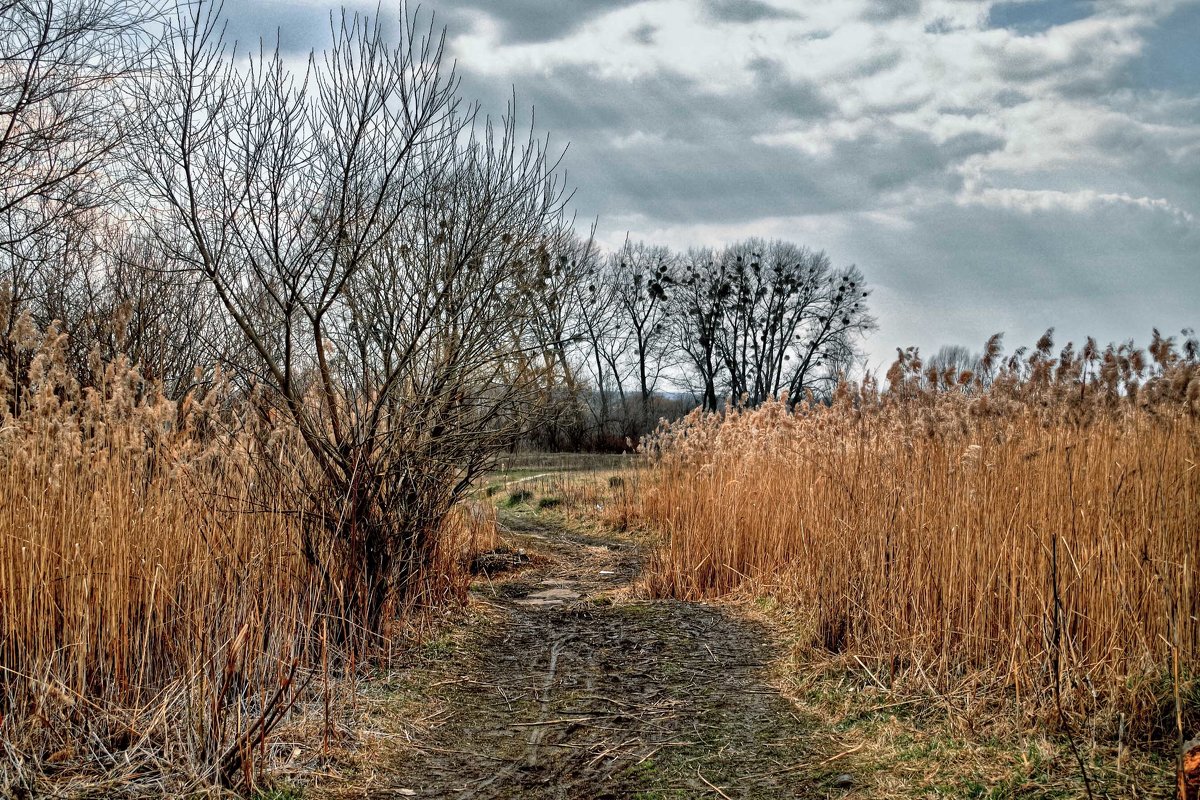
column 157, row 617
column 1033, row 527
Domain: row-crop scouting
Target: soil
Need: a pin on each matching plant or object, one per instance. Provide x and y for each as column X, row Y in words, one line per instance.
column 560, row 680
column 570, row 687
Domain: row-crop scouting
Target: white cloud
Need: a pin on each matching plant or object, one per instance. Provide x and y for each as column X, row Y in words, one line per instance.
column 636, row 139
column 1007, row 175
column 1031, row 201
column 904, row 72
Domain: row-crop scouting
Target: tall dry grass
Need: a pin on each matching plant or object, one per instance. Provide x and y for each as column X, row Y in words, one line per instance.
column 158, row 620
column 1039, row 519
column 154, row 606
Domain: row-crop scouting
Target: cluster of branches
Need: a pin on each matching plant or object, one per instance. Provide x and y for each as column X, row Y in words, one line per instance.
column 737, row 325
column 66, row 119
column 383, row 272
column 363, row 252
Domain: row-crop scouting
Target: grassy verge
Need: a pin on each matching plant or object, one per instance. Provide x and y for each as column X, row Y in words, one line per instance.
column 903, row 738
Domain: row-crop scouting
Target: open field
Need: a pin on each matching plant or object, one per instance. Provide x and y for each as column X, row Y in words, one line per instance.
column 518, row 464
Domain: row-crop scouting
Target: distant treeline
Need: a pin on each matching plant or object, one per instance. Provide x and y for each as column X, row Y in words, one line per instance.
column 645, row 332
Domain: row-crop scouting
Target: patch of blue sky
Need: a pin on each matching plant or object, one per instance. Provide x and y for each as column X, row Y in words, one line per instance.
column 1035, row 16
column 1170, row 58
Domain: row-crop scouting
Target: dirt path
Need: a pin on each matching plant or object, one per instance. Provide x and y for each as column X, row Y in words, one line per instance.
column 566, row 692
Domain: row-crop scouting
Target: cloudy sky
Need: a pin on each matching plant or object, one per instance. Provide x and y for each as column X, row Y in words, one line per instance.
column 990, row 166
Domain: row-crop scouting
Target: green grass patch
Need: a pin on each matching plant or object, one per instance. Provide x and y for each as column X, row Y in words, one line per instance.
column 439, row 647
column 518, row 497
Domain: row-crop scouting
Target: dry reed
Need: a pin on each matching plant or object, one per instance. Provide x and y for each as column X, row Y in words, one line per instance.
column 157, row 617
column 920, row 526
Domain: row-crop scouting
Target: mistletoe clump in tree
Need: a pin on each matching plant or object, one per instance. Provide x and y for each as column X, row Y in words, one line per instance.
column 764, row 318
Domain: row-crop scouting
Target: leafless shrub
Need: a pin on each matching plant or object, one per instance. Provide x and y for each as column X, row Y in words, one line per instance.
column 380, row 250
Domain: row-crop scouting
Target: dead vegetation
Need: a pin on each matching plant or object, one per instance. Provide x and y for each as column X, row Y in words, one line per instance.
column 261, row 329
column 158, row 617
column 190, row 554
column 1028, row 530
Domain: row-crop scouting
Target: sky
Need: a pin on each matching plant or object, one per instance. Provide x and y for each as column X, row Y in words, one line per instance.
column 989, row 166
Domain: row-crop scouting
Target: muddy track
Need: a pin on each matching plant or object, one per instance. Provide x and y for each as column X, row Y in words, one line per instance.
column 569, row 693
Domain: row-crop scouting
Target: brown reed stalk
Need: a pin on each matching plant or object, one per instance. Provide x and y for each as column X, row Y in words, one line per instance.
column 158, row 618
column 908, row 522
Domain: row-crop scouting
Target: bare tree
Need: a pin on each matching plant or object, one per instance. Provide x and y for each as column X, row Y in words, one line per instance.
column 786, row 316
column 561, row 329
column 952, row 365
column 64, row 108
column 698, row 311
column 379, row 250
column 65, row 111
column 166, row 320
column 641, row 277
column 597, row 344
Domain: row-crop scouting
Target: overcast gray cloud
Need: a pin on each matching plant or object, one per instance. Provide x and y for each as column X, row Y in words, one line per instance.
column 523, row 21
column 989, row 166
column 744, row 10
